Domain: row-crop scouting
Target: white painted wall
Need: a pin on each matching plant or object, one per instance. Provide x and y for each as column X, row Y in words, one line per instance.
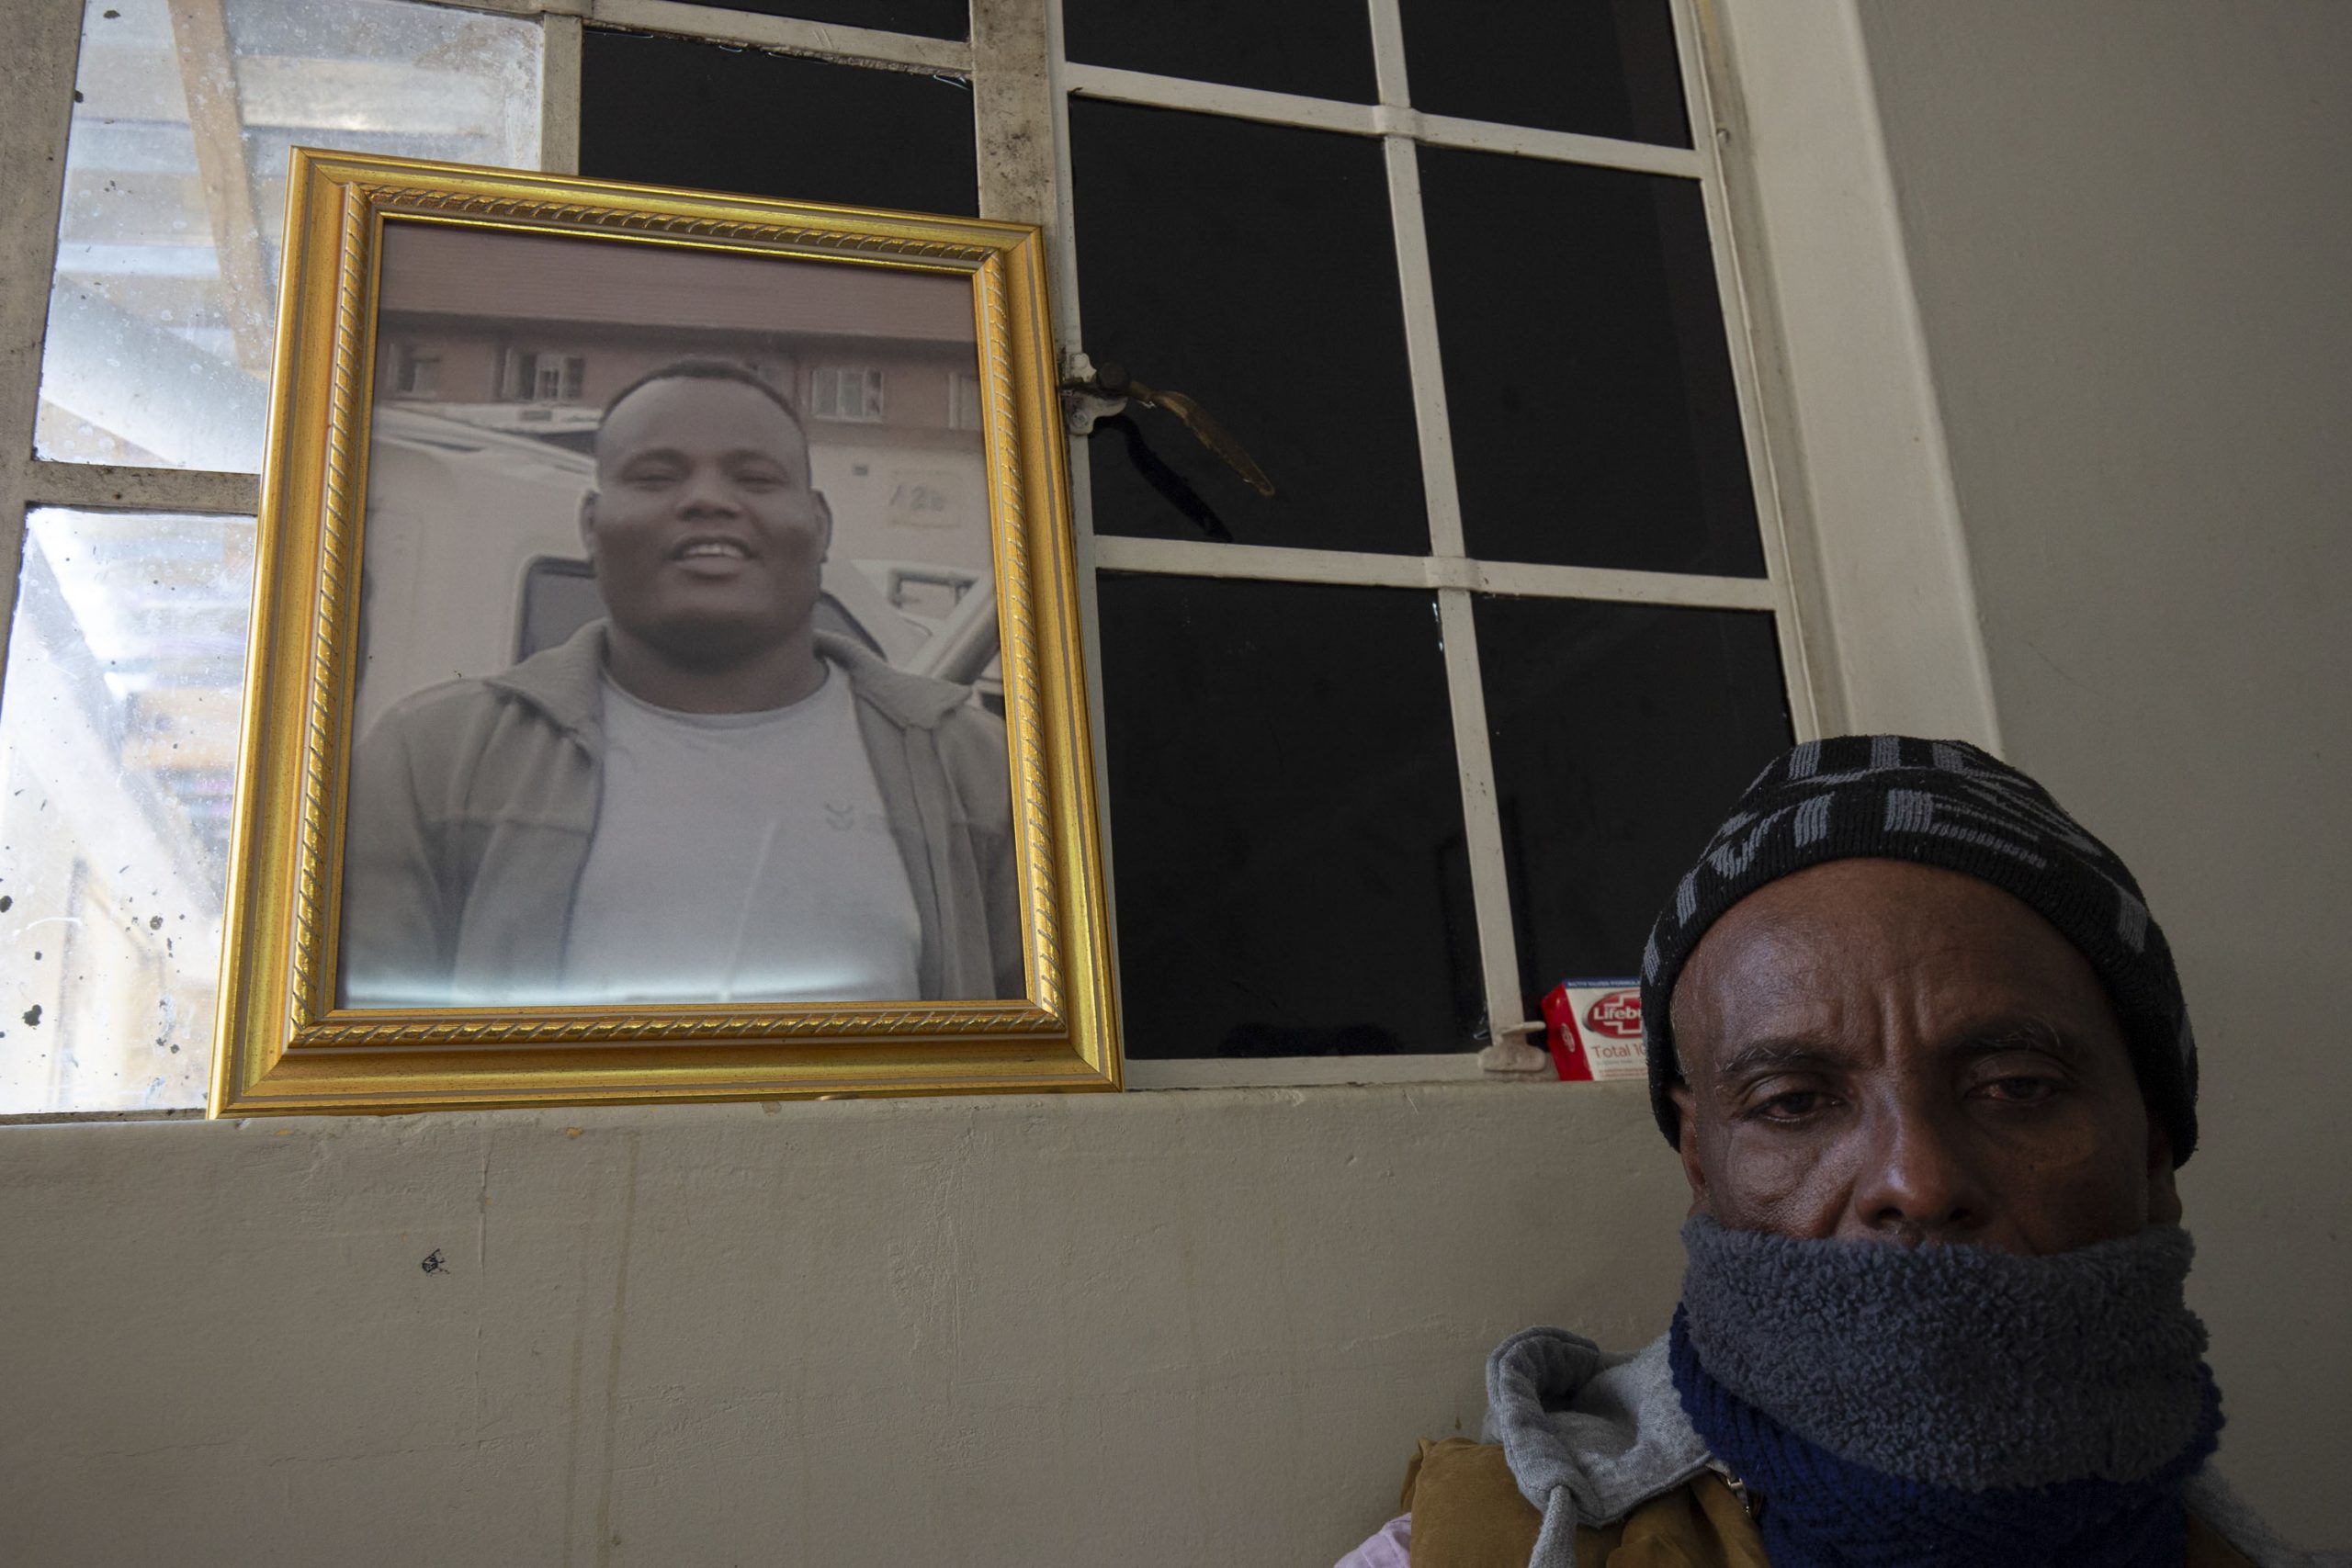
column 1181, row 1328
column 1856, row 438
column 2131, row 241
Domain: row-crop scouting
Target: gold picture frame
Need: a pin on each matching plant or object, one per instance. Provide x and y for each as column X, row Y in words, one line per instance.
column 287, row 1042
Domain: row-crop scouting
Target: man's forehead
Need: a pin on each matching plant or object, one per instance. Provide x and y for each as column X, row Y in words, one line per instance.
column 1802, row 957
column 691, row 405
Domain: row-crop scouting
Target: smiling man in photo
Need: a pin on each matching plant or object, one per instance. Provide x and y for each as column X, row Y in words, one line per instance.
column 699, row 797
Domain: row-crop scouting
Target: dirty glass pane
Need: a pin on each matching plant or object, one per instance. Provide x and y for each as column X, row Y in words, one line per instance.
column 680, row 112
column 161, row 314
column 1588, row 379
column 1601, row 67
column 1620, row 735
column 1287, row 821
column 1253, row 269
column 117, row 750
column 931, row 18
column 1321, row 49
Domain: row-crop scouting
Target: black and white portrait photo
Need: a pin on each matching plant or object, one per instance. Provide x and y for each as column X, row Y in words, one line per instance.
column 677, row 650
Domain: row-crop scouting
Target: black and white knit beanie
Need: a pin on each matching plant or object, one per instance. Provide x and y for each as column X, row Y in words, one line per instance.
column 1940, row 803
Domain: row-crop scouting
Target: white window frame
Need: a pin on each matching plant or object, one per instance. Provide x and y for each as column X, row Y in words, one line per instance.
column 556, row 378
column 1448, row 570
column 1020, row 113
column 963, row 407
column 417, row 374
column 541, row 375
column 848, row 394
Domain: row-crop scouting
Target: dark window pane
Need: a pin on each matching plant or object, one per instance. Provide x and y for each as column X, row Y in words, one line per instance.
column 1251, row 268
column 932, row 18
column 1588, row 381
column 675, row 111
column 1287, row 821
column 1601, row 67
column 1319, row 47
column 1621, row 735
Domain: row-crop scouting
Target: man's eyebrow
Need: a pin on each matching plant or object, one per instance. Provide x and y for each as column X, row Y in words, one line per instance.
column 1793, row 1054
column 2017, row 1033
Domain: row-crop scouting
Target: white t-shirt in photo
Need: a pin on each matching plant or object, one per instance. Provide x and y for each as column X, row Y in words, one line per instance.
column 741, row 857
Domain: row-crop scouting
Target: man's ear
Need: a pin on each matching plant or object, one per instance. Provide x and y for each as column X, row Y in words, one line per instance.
column 1686, row 1141
column 824, row 525
column 588, row 524
column 2164, row 1191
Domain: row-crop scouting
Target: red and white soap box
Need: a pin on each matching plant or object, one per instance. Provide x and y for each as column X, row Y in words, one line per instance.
column 1595, row 1030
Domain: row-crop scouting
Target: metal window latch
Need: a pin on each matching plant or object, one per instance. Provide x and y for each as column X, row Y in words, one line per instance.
column 1089, row 394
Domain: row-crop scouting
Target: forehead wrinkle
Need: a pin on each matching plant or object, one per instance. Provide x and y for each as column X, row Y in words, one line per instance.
column 1765, row 954
column 1957, row 993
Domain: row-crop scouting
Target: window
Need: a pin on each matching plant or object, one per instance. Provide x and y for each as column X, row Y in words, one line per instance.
column 157, row 342
column 1394, row 750
column 845, row 393
column 559, row 378
column 963, row 401
column 416, row 373
column 542, row 378
column 123, row 679
column 117, row 750
column 1386, row 753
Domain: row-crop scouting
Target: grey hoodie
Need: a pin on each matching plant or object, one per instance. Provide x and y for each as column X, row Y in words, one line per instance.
column 1590, row 1437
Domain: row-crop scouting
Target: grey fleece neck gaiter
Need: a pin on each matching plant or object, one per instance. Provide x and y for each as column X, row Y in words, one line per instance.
column 1957, row 1366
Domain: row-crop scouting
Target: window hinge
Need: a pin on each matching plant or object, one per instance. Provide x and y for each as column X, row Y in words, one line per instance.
column 1089, row 394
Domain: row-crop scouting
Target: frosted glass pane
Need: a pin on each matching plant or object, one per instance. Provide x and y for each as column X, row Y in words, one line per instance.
column 117, row 751
column 161, row 311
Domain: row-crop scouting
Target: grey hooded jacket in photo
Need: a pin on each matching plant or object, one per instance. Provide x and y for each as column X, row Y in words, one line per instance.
column 473, row 802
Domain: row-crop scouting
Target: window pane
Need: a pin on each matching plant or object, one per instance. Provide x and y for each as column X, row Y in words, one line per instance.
column 1287, row 821
column 680, row 112
column 1621, row 735
column 162, row 312
column 1253, row 268
column 1601, row 67
column 1588, row 381
column 117, row 751
column 932, row 18
column 1321, row 49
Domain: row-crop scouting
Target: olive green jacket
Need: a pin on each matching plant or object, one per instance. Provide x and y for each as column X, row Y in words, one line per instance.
column 473, row 802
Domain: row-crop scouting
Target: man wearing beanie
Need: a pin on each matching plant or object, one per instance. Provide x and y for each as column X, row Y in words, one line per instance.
column 1924, row 1055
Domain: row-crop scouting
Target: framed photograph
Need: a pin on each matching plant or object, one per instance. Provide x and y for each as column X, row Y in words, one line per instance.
column 664, row 679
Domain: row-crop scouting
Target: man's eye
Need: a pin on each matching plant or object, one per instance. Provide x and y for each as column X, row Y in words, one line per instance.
column 1794, row 1106
column 2021, row 1090
column 650, row 475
